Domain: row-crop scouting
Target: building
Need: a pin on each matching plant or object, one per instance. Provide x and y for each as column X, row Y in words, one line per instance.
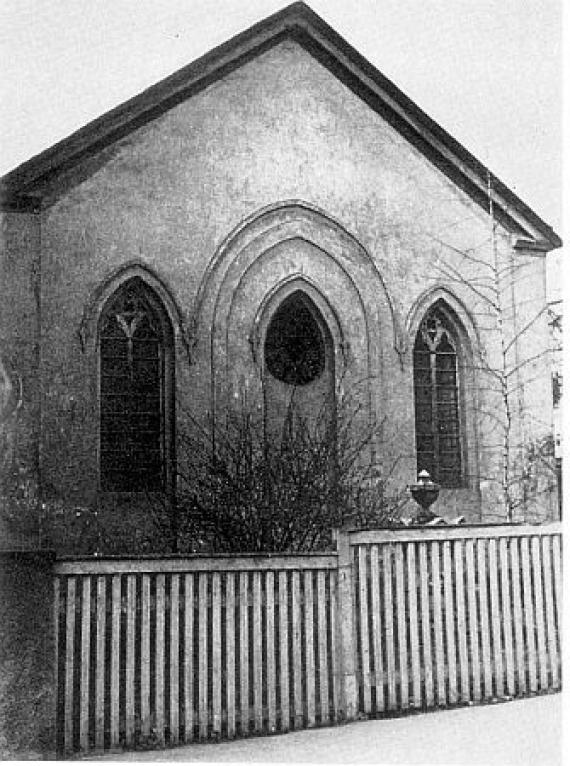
column 276, row 216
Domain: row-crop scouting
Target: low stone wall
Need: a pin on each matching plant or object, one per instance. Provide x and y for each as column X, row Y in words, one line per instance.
column 27, row 655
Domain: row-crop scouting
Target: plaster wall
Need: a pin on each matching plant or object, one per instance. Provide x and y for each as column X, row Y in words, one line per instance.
column 168, row 197
column 19, row 358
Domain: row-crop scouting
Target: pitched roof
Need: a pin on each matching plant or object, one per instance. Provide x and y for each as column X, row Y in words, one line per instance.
column 22, row 188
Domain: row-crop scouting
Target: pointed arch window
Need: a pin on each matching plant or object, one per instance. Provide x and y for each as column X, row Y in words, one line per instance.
column 135, row 391
column 294, row 346
column 437, row 399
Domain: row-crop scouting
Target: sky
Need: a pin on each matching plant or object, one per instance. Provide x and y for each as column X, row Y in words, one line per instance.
column 488, row 71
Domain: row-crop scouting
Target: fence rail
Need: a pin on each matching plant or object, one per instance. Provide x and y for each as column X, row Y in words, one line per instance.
column 154, row 652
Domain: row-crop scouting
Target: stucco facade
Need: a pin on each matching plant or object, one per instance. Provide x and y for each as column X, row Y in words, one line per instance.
column 274, row 177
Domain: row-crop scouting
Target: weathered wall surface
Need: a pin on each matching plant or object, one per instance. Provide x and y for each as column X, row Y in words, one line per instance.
column 19, row 357
column 27, row 656
column 168, row 196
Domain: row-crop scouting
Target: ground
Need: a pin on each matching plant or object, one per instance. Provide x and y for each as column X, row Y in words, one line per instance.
column 522, row 732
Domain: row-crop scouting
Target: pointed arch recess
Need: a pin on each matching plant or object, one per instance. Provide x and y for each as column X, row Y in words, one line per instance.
column 275, row 297
column 290, row 241
column 444, row 296
column 111, row 284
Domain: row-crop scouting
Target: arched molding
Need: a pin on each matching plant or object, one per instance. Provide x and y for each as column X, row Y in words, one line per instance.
column 105, row 291
column 440, row 295
column 258, row 256
column 280, row 243
column 302, row 219
column 275, row 298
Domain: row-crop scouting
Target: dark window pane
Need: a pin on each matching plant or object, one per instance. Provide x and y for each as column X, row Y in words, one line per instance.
column 294, row 344
column 436, row 400
column 131, row 391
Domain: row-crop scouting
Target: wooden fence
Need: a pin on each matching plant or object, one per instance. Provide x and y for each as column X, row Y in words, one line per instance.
column 448, row 616
column 155, row 652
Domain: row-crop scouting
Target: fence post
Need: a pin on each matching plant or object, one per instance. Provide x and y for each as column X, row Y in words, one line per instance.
column 345, row 627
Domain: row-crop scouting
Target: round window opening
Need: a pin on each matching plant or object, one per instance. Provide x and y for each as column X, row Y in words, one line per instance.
column 294, row 344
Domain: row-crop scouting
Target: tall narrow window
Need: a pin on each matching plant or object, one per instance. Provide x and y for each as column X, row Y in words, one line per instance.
column 135, row 353
column 436, row 389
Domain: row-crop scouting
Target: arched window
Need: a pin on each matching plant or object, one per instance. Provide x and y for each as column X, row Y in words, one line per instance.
column 437, row 400
column 294, row 345
column 135, row 391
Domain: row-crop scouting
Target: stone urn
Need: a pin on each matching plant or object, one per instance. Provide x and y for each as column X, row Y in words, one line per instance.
column 425, row 492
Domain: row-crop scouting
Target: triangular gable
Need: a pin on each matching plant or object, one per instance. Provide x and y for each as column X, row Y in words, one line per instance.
column 22, row 188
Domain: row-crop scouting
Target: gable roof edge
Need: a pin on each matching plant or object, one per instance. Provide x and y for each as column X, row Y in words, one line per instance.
column 20, row 189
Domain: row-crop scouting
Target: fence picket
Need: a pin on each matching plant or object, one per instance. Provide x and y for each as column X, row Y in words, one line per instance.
column 203, row 654
column 174, row 659
column 69, row 662
column 364, row 648
column 496, row 620
column 335, row 629
column 473, row 620
column 309, row 648
column 557, row 575
column 270, row 648
column 414, row 658
column 244, row 652
column 376, row 628
column 115, row 657
column 506, row 615
column 539, row 613
column 557, row 568
column 145, row 657
column 549, row 605
column 518, row 618
column 100, row 664
column 296, row 644
column 402, row 628
column 484, row 618
column 426, row 623
column 257, row 655
column 389, row 627
column 528, row 602
column 189, row 657
column 461, row 621
column 159, row 659
column 449, row 624
column 130, row 663
column 84, row 666
column 284, row 651
column 230, row 655
column 438, row 624
column 324, row 712
column 216, row 655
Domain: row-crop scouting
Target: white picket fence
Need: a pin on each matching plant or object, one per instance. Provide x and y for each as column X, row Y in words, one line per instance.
column 161, row 651
column 448, row 616
column 164, row 651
